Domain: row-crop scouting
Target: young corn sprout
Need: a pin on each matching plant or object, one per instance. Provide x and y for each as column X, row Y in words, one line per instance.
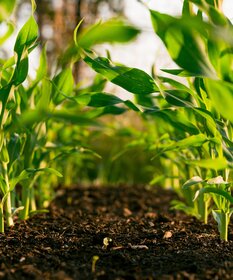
column 219, row 190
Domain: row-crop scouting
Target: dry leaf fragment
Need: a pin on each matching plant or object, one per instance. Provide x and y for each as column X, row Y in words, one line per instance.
column 135, row 247
column 151, row 215
column 167, row 234
column 127, row 212
column 117, row 248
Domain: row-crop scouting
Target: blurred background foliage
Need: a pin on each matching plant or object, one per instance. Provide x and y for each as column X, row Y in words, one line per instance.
column 118, row 160
column 57, row 20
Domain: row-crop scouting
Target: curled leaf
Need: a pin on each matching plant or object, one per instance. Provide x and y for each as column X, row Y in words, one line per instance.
column 193, row 181
column 217, row 180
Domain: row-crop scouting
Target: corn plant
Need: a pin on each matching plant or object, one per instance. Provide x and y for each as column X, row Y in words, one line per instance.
column 34, row 111
column 194, row 119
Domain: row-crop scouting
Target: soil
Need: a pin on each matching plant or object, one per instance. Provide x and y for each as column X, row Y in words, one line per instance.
column 114, row 233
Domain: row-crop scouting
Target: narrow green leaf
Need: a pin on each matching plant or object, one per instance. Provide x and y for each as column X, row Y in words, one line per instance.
column 215, row 191
column 33, row 2
column 14, row 148
column 193, row 181
column 185, row 46
column 26, row 37
column 63, row 85
column 45, row 95
column 111, row 31
column 178, row 72
column 31, row 117
column 210, row 9
column 132, row 79
column 211, row 125
column 49, row 170
column 176, row 118
column 191, row 141
column 8, row 33
column 178, row 98
column 217, row 180
column 6, row 8
column 24, row 175
column 21, row 72
column 103, row 99
column 215, row 164
column 131, row 105
column 221, row 94
column 43, row 67
column 101, row 111
column 157, row 179
column 3, row 185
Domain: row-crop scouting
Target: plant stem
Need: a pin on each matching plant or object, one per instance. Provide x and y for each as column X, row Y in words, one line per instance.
column 32, row 200
column 25, row 202
column 1, row 220
column 9, row 219
column 224, row 226
column 205, row 214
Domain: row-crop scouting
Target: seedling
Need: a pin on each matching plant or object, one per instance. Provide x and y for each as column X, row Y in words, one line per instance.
column 94, row 261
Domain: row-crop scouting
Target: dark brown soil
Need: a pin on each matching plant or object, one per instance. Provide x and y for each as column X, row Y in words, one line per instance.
column 143, row 240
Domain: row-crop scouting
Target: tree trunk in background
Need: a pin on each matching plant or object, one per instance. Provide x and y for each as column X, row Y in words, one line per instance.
column 57, row 20
column 56, row 23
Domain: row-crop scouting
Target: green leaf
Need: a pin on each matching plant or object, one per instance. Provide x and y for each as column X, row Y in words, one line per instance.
column 178, row 98
column 44, row 99
column 6, row 8
column 108, row 110
column 39, row 211
column 30, row 172
column 14, row 149
column 49, row 170
column 157, row 180
column 176, row 118
column 183, row 40
column 112, row 31
column 33, row 3
column 43, row 67
column 131, row 105
column 102, row 100
column 193, row 181
column 222, row 217
column 26, row 37
column 4, row 156
column 99, row 99
column 63, row 85
column 215, row 164
column 31, row 117
column 209, row 9
column 64, row 116
column 215, row 191
column 132, row 79
column 8, row 33
column 217, row 180
column 178, row 72
column 211, row 125
column 221, row 94
column 191, row 141
column 3, row 185
column 21, row 72
column 24, row 175
column 75, row 151
column 4, row 93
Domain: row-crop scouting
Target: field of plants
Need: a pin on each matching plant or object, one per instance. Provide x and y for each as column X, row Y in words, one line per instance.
column 94, row 186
